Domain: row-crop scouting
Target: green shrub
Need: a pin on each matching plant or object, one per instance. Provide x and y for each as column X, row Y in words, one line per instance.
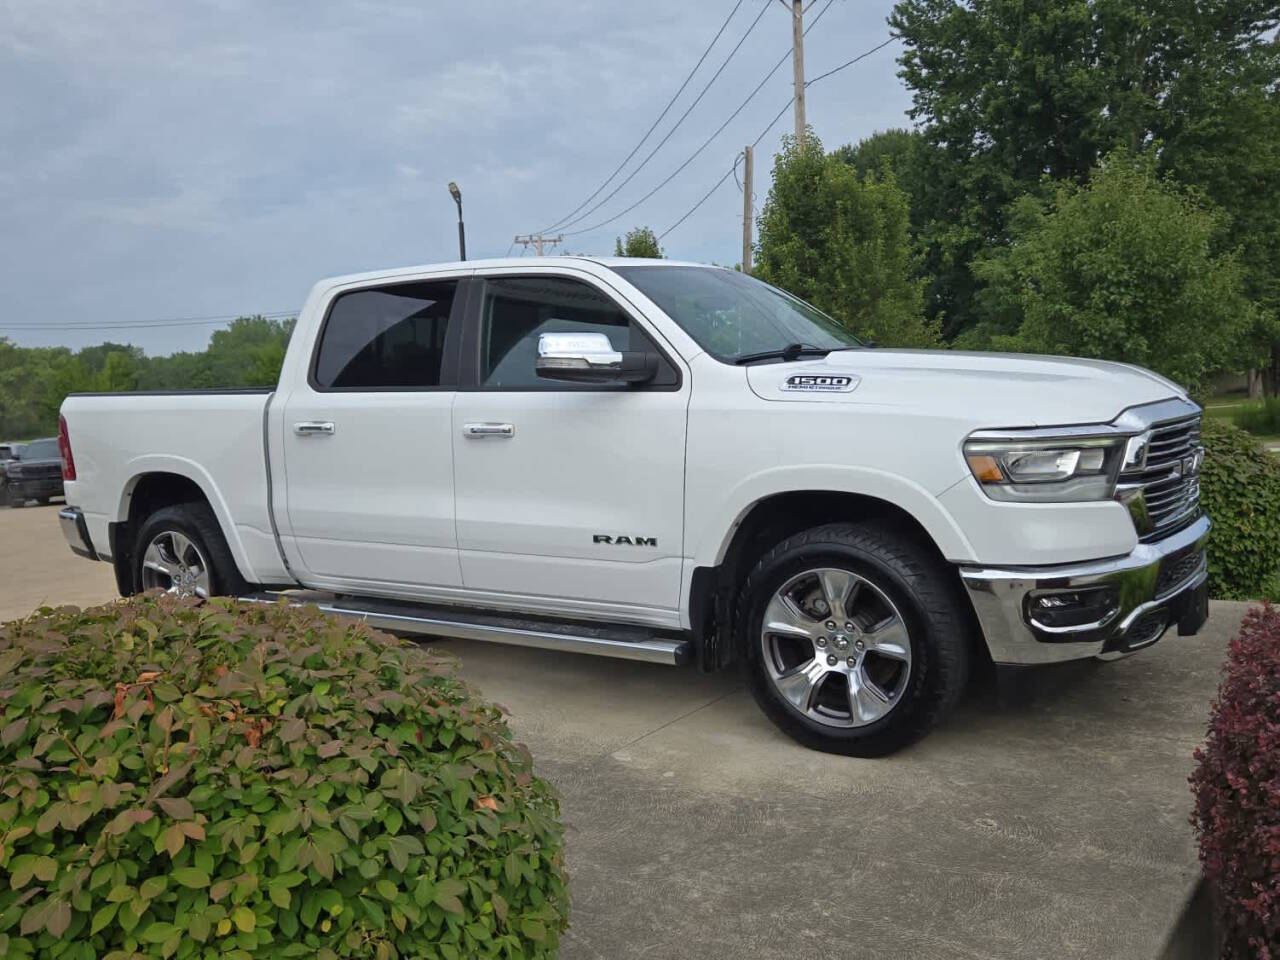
column 1240, row 490
column 1262, row 418
column 194, row 779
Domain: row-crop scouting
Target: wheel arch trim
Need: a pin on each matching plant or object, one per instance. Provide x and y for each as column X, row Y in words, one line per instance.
column 718, row 532
column 159, row 464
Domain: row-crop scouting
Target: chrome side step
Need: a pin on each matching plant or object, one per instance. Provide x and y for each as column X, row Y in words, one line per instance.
column 621, row 642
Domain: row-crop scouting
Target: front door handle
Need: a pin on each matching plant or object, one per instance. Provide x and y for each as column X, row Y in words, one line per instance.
column 478, row 430
column 314, row 428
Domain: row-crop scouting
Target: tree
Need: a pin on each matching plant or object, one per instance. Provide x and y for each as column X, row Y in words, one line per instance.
column 35, row 380
column 843, row 242
column 640, row 242
column 1016, row 93
column 1121, row 269
column 1232, row 153
column 900, row 152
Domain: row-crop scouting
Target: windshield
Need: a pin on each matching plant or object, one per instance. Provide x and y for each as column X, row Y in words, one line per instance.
column 40, row 450
column 732, row 316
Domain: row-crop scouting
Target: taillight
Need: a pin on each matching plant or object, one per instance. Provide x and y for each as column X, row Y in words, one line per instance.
column 64, row 450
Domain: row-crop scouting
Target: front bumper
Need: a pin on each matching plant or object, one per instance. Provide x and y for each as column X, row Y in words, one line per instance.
column 34, row 489
column 1140, row 596
column 76, row 532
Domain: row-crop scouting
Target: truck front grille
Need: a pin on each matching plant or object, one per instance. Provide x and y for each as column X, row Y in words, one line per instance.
column 1170, row 482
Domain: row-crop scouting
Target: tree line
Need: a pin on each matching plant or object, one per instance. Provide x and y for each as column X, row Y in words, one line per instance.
column 35, row 380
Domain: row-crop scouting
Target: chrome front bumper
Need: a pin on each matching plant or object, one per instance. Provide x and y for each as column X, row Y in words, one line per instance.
column 1159, row 584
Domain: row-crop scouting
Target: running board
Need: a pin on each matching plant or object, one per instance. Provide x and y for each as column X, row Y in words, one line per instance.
column 620, row 642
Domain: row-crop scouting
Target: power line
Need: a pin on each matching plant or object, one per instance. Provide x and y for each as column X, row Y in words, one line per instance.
column 706, row 143
column 151, row 324
column 629, row 177
column 850, row 63
column 707, row 196
column 654, row 126
column 764, row 133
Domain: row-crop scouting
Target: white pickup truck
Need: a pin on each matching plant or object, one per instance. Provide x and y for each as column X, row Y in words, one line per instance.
column 666, row 462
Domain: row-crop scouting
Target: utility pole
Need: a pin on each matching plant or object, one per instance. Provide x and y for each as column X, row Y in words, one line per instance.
column 797, row 61
column 537, row 240
column 747, row 206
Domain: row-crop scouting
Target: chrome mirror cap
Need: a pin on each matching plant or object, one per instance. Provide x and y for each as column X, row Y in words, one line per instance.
column 590, row 358
column 577, row 351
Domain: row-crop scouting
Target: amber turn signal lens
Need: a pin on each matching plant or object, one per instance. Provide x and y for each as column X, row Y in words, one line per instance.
column 985, row 468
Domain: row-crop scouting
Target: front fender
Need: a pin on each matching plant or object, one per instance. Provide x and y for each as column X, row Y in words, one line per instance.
column 711, row 537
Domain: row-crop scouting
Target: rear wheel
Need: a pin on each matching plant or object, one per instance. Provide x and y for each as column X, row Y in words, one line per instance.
column 855, row 638
column 181, row 550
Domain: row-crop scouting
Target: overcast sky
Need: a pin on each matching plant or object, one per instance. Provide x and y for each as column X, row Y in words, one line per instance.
column 212, row 157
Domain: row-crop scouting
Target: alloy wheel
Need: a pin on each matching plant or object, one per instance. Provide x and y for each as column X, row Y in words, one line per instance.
column 835, row 647
column 173, row 563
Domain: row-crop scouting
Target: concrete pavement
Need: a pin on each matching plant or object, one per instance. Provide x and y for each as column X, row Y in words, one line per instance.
column 1056, row 828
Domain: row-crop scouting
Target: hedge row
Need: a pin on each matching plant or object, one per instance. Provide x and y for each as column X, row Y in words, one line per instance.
column 186, row 779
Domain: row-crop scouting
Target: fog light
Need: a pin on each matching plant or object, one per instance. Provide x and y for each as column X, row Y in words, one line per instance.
column 1062, row 609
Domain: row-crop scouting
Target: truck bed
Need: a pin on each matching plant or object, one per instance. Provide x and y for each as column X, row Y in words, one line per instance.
column 215, row 438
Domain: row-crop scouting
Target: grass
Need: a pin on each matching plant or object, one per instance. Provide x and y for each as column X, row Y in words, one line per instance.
column 1259, row 417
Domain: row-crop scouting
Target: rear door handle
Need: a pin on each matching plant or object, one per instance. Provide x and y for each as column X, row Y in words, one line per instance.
column 314, row 428
column 479, row 430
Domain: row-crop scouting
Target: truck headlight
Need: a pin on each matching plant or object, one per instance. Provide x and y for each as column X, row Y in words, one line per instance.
column 1046, row 471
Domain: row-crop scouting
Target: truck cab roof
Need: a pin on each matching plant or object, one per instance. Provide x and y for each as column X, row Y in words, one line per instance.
column 460, row 266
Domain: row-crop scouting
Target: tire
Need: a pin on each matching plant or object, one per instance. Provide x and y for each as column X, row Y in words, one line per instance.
column 906, row 628
column 195, row 524
column 43, row 501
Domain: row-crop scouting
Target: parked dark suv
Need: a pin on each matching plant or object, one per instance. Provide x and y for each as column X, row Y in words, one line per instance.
column 8, row 451
column 36, row 474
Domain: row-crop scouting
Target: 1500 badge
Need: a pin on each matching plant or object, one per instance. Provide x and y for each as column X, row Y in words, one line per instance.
column 820, row 383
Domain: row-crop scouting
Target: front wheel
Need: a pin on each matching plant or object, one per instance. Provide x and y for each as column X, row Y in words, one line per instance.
column 855, row 638
column 181, row 550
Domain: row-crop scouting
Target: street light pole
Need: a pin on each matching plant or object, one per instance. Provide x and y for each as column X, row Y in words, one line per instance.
column 462, row 233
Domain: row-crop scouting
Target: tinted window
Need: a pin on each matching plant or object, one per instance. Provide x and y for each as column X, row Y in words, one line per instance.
column 517, row 310
column 731, row 315
column 41, row 450
column 386, row 337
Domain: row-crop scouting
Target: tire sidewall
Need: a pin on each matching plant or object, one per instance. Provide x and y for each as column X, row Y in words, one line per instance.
column 182, row 519
column 900, row 724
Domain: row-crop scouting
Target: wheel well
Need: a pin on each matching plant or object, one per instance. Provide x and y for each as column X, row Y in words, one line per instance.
column 765, row 524
column 151, row 492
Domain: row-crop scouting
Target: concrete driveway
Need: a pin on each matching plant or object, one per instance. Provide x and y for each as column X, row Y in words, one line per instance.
column 1056, row 828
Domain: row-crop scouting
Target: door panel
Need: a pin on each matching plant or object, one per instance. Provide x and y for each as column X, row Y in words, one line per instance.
column 583, row 498
column 368, row 441
column 373, row 501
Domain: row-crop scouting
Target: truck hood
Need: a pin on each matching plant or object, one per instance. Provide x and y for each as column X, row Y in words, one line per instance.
column 998, row 389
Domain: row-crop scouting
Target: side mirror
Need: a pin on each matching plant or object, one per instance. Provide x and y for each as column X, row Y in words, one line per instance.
column 590, row 358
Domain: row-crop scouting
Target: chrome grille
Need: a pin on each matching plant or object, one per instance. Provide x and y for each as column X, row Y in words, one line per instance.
column 1170, row 491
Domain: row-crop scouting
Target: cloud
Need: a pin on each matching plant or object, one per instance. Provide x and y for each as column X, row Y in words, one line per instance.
column 213, row 156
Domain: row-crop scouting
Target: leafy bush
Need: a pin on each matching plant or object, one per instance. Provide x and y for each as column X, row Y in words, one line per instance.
column 1262, row 419
column 1237, row 792
column 194, row 779
column 843, row 243
column 1126, row 267
column 1240, row 490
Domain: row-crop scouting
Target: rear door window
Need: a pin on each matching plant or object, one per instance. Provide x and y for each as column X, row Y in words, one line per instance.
column 386, row 338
